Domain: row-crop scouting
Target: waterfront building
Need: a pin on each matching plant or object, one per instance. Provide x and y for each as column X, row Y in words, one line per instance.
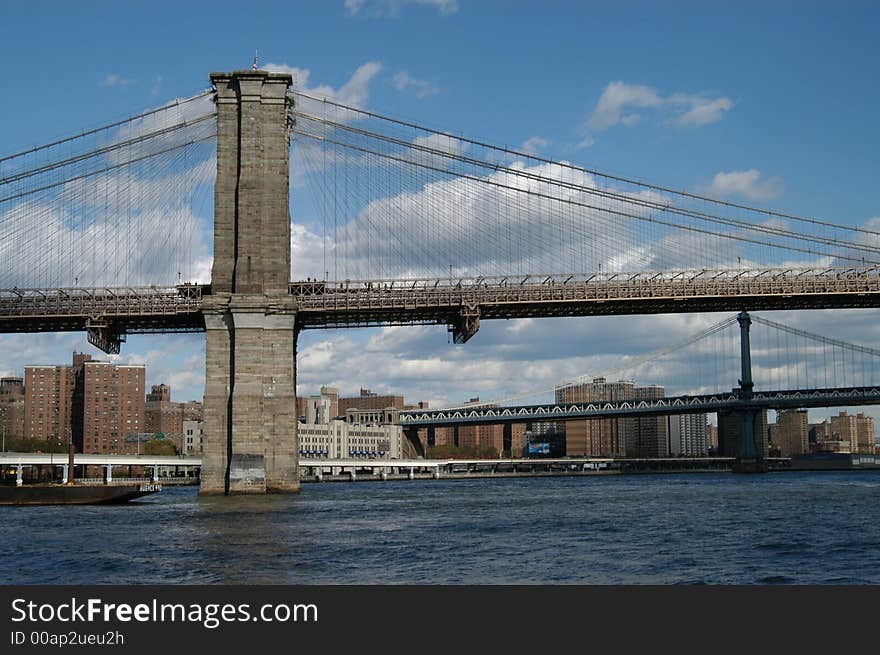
column 318, row 410
column 712, row 437
column 332, row 395
column 613, row 437
column 386, row 416
column 819, row 433
column 12, row 407
column 366, row 401
column 688, row 435
column 649, row 435
column 112, row 405
column 193, row 431
column 52, row 401
column 341, row 440
column 164, row 416
column 793, row 434
column 604, row 437
column 301, row 402
column 865, row 435
column 485, row 439
column 844, row 428
column 369, row 400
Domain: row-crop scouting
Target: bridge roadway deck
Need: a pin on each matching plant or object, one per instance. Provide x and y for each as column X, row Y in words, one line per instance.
column 781, row 399
column 352, row 303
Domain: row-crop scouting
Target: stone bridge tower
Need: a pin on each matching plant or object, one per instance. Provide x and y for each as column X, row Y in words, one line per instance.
column 250, row 441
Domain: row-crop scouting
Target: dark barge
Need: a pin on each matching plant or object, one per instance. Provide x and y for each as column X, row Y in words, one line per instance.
column 74, row 494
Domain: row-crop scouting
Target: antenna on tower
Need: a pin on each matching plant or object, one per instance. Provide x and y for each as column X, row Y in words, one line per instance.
column 256, row 60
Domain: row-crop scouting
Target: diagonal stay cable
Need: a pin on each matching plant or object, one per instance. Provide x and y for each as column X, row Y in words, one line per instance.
column 105, row 169
column 655, row 187
column 816, row 337
column 104, row 150
column 606, row 210
column 172, row 105
column 623, row 198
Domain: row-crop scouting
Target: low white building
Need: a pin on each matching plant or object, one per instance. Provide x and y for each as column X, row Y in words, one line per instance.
column 341, row 440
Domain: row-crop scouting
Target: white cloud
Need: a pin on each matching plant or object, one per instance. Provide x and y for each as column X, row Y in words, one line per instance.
column 128, row 225
column 586, row 142
column 619, row 99
column 747, row 184
column 307, row 253
column 403, row 81
column 515, row 221
column 156, row 89
column 391, row 8
column 307, row 154
column 354, row 93
column 62, row 250
column 534, row 145
column 114, row 79
column 618, row 96
column 701, row 111
column 180, row 111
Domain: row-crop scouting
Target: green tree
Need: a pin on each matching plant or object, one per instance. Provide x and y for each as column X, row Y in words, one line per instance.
column 160, row 447
column 22, row 445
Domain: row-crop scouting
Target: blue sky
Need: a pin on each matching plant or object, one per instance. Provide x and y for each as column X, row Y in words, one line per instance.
column 780, row 99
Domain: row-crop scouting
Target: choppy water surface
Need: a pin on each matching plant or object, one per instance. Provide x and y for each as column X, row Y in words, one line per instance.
column 798, row 528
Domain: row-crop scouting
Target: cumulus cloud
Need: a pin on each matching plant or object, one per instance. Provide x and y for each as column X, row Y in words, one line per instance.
column 618, row 97
column 134, row 215
column 519, row 219
column 747, row 184
column 311, row 254
column 403, row 82
column 355, row 92
column 534, row 145
column 307, row 154
column 621, row 103
column 699, row 110
column 156, row 246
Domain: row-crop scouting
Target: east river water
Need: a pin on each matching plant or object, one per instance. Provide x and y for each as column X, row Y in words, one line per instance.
column 714, row 528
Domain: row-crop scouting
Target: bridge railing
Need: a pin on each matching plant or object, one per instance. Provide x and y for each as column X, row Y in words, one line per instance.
column 479, row 290
column 100, row 302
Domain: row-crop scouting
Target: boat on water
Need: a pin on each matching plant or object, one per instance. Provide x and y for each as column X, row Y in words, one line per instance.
column 74, row 494
column 69, row 493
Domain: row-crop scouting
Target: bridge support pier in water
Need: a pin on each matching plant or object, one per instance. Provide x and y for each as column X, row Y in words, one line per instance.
column 250, row 441
column 750, row 458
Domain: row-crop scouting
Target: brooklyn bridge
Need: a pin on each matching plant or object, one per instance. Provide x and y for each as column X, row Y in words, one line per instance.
column 98, row 234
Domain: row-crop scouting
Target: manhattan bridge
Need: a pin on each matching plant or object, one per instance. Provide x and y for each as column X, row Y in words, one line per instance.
column 101, row 232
